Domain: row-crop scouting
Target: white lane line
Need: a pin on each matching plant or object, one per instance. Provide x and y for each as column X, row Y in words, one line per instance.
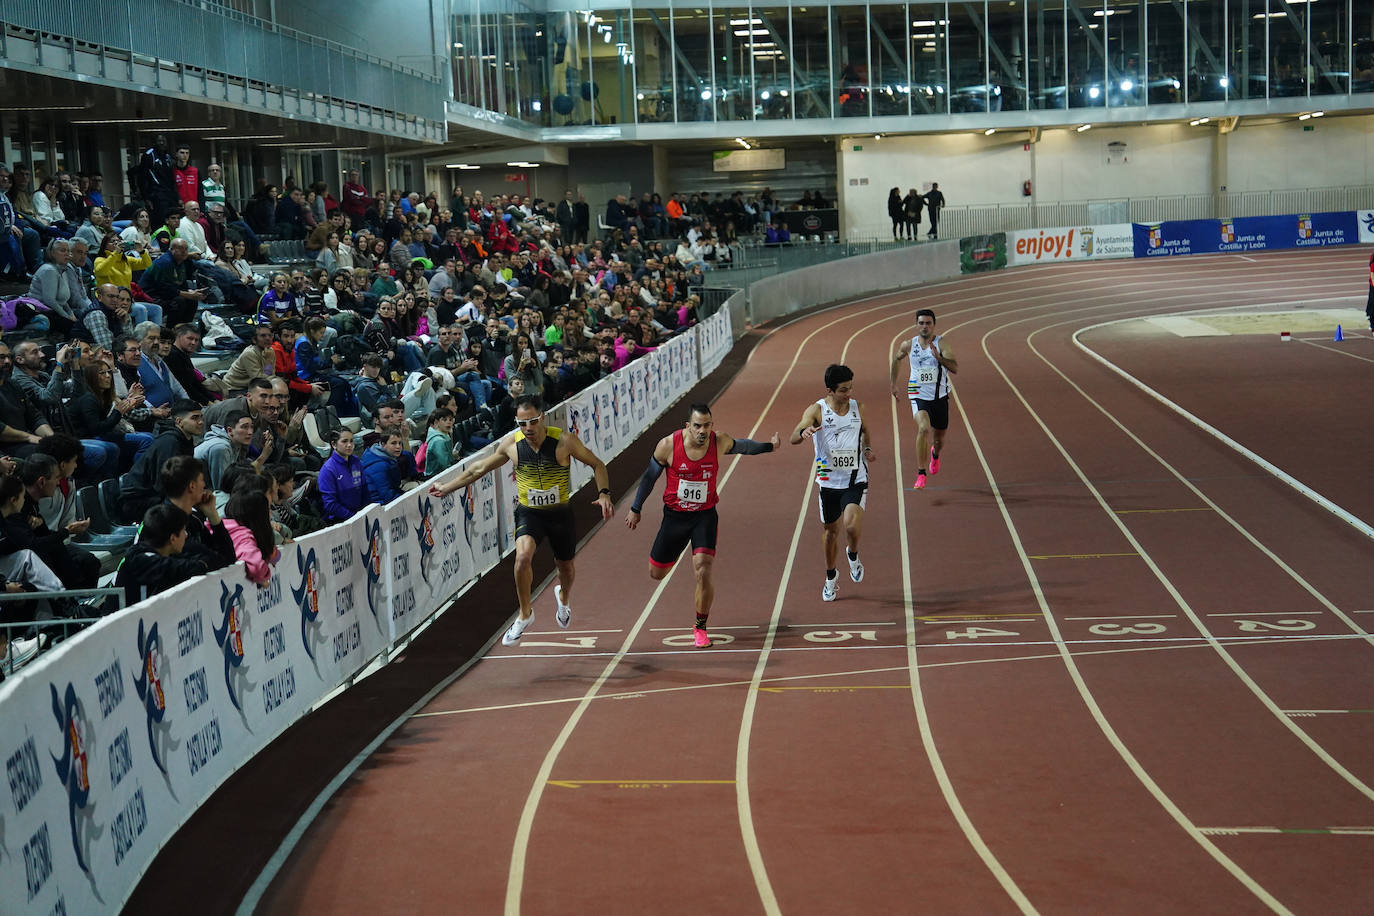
column 956, row 807
column 1071, row 666
column 1322, row 346
column 1349, row 518
column 1129, row 617
column 515, row 879
column 1165, row 582
column 1263, row 613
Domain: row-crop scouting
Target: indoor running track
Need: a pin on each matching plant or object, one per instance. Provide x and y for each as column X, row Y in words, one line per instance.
column 1103, row 663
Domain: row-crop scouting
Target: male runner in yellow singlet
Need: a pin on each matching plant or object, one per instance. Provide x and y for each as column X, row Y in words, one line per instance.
column 543, row 459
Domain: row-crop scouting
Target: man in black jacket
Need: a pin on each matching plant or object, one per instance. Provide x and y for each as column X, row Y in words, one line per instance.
column 185, row 345
column 183, row 485
column 141, row 488
column 158, row 561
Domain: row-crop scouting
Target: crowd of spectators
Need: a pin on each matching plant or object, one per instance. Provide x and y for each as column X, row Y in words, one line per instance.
column 422, row 317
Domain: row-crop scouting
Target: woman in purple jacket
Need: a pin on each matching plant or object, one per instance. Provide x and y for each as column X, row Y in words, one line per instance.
column 343, row 488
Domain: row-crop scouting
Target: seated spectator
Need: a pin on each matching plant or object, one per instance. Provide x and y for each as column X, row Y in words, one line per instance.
column 300, row 392
column 290, row 215
column 184, row 485
column 279, row 303
column 382, row 466
column 257, row 360
column 26, row 530
column 94, row 229
column 186, row 344
column 439, row 451
column 97, row 415
column 342, row 482
column 116, row 261
column 46, row 212
column 777, row 234
column 168, row 283
column 226, row 445
column 139, row 232
column 317, row 371
column 20, row 245
column 524, row 361
column 22, row 422
column 248, row 519
column 156, row 562
column 290, row 513
column 59, row 509
column 58, row 286
column 22, row 568
column 160, row 387
column 260, row 403
column 369, row 389
column 142, row 486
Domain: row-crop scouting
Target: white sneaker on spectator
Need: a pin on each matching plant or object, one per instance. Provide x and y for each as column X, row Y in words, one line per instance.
column 19, row 653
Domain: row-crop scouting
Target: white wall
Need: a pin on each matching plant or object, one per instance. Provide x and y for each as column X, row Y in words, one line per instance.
column 1336, row 152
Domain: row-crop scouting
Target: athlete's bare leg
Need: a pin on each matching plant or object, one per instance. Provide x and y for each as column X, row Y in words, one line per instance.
column 853, row 528
column 938, row 437
column 659, row 572
column 923, row 437
column 706, row 590
column 566, row 575
column 524, row 572
column 830, row 540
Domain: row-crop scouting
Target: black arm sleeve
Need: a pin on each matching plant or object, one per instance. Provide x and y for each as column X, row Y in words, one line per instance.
column 646, row 484
column 749, row 447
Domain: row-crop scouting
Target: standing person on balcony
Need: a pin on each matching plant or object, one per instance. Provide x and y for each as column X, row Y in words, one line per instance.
column 186, row 175
column 911, row 210
column 896, row 212
column 935, row 202
column 355, row 198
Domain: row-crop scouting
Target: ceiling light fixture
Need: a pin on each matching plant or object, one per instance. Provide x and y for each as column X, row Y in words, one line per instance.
column 1082, row 127
column 743, row 142
column 989, row 132
column 123, row 121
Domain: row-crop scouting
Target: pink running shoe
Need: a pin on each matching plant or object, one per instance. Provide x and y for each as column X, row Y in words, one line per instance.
column 934, row 463
column 703, row 639
column 920, row 480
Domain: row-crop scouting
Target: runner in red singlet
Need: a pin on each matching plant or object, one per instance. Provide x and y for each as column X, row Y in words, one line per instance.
column 691, row 456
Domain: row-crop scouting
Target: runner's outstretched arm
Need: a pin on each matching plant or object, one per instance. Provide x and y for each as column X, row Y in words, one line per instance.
column 749, row 446
column 578, row 449
column 471, row 474
column 658, row 461
column 902, row 352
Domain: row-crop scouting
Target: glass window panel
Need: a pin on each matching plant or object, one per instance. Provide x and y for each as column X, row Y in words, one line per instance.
column 849, row 44
column 968, row 77
column 1047, row 85
column 1088, row 77
column 1208, row 76
column 509, row 50
column 773, row 64
column 1245, row 44
column 1123, row 28
column 493, row 95
column 929, row 77
column 569, row 70
column 891, row 70
column 1330, row 30
column 532, row 68
column 1006, row 22
column 1363, row 78
column 1166, row 54
column 653, row 51
column 1288, row 49
column 692, row 33
column 812, row 95
column 739, row 36
column 612, row 73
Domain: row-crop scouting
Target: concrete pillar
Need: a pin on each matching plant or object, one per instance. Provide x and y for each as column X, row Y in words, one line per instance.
column 1220, row 208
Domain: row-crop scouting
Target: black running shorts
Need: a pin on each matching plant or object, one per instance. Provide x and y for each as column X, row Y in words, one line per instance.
column 937, row 410
column 680, row 528
column 556, row 524
column 834, row 500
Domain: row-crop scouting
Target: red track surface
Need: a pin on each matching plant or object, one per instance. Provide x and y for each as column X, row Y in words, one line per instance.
column 1082, row 666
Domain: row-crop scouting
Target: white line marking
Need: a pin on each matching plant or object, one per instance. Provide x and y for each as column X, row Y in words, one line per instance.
column 1348, row 517
column 937, row 765
column 567, row 632
column 1071, row 666
column 752, row 626
column 1129, row 617
column 1263, row 613
column 1322, row 346
column 803, row 626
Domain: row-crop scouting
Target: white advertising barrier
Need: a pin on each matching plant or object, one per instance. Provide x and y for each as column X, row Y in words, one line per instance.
column 112, row 741
column 1072, row 243
column 1366, row 220
column 715, row 337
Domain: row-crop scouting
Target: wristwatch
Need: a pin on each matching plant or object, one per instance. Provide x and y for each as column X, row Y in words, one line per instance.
column 605, row 491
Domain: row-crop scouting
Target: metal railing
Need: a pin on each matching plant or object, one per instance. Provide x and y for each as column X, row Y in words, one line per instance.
column 51, row 623
column 957, row 222
column 223, row 40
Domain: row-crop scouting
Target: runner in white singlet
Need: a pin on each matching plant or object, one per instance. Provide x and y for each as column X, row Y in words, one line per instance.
column 836, row 429
column 930, row 363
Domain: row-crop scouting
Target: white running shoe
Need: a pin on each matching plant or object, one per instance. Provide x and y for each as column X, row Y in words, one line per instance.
column 832, row 587
column 20, row 652
column 517, row 629
column 856, row 570
column 564, row 616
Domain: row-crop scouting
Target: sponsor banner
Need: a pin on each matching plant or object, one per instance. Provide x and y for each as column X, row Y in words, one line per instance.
column 1073, row 243
column 1252, row 233
column 1365, row 218
column 715, row 336
column 981, row 253
column 120, row 734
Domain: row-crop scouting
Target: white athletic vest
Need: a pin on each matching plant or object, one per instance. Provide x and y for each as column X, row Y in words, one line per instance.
column 840, row 462
column 928, row 380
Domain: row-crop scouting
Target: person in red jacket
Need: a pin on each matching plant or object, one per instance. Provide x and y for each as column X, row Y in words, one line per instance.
column 285, row 349
column 186, row 175
column 355, row 198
